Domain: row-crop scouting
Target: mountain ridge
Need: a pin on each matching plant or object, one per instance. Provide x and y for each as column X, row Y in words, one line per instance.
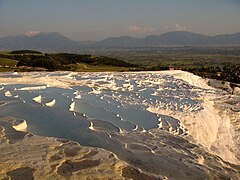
column 54, row 41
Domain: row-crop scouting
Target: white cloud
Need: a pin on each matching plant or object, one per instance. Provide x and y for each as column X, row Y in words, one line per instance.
column 140, row 30
column 180, row 27
column 32, row 33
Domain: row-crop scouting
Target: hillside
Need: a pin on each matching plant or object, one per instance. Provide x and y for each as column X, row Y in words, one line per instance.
column 32, row 60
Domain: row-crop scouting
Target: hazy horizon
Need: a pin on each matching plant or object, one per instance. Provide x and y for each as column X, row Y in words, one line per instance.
column 95, row 20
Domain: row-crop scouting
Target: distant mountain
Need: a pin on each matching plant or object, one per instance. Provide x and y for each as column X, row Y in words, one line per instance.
column 122, row 41
column 177, row 38
column 54, row 41
column 43, row 42
column 228, row 39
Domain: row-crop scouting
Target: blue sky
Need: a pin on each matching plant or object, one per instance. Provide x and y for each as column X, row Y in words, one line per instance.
column 98, row 19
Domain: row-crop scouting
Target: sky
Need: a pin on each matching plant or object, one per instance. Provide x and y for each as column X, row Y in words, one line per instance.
column 97, row 19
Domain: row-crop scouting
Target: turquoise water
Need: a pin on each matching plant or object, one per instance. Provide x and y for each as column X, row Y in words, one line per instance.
column 118, row 110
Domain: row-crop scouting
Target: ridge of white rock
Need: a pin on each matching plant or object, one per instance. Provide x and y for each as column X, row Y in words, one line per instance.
column 72, row 106
column 207, row 126
column 190, row 78
column 22, row 126
column 38, row 99
column 32, row 88
column 8, row 94
column 51, row 103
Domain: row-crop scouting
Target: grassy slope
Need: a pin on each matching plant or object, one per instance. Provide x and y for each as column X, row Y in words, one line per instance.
column 83, row 67
column 3, row 69
column 7, row 62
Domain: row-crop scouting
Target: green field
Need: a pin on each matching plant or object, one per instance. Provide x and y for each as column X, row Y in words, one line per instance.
column 176, row 59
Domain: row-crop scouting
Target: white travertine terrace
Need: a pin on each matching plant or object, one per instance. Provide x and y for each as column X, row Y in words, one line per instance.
column 180, row 95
